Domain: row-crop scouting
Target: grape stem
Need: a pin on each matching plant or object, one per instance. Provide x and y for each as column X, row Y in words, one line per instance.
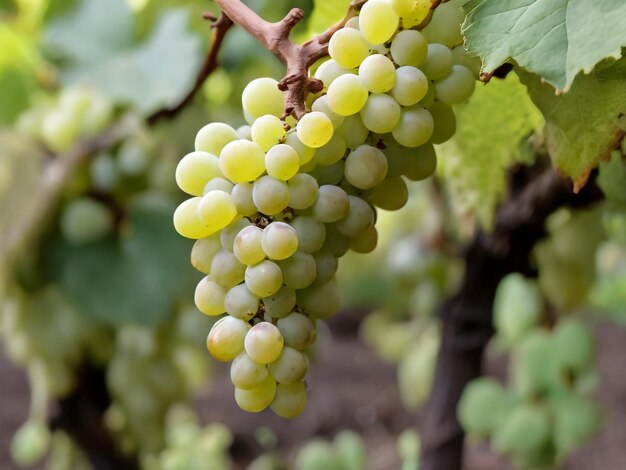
column 297, row 57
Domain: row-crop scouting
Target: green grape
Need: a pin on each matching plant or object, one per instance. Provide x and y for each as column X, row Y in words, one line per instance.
column 203, row 252
column 103, row 172
column 411, row 85
column 360, row 217
column 267, row 131
column 321, row 105
column 366, row 167
column 412, row 12
column 320, row 301
column 352, row 23
column 299, row 270
column 575, row 421
column 279, row 241
column 429, row 98
column 230, row 232
column 241, row 303
column 377, row 73
column 311, row 233
column 482, row 406
column 31, row 443
column 314, row 129
column 247, row 246
column 378, row 21
column 281, row 303
column 213, row 137
column 305, row 153
column 391, row 195
column 535, row 367
column 381, row 113
column 444, row 122
column 195, row 170
column 573, row 344
column 350, row 450
column 438, row 63
column 456, row 87
column 219, row 184
column 347, row 47
column 326, row 265
column 461, row 57
column 409, row 47
column 242, row 160
column 270, row 196
column 226, row 339
column 297, row 330
column 216, row 210
column 317, row 455
column 246, row 374
column 58, row 132
column 85, row 220
column 96, row 117
column 337, row 243
column 244, row 132
column 303, row 189
column 517, row 307
column 329, row 175
column 445, row 24
column 133, row 159
column 282, row 162
column 347, row 95
column 524, row 430
column 258, row 398
column 264, row 343
column 329, row 71
column 226, row 270
column 262, row 96
column 242, row 198
column 423, row 162
column 353, row 131
column 365, row 242
column 290, row 367
column 290, row 400
column 209, row 297
column 331, row 152
column 332, row 204
column 264, row 278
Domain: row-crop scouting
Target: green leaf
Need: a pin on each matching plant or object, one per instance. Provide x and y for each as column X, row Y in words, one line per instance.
column 555, row 39
column 582, row 126
column 136, row 278
column 490, row 129
column 325, row 14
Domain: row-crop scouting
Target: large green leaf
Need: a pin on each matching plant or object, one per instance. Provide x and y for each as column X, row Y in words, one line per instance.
column 582, row 126
column 136, row 278
column 555, row 39
column 490, row 128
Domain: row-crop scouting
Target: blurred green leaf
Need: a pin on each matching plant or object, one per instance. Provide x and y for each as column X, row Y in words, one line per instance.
column 326, row 13
column 134, row 279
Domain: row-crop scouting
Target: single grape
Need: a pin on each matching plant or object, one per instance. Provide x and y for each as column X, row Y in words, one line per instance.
column 282, row 162
column 209, row 297
column 347, row 95
column 85, row 220
column 216, row 210
column 281, row 303
column 321, row 105
column 305, row 153
column 290, row 367
column 378, row 21
column 226, row 338
column 213, row 137
column 203, row 252
column 303, row 190
column 133, row 158
column 360, row 217
column 258, row 398
column 59, row 132
column 416, row 126
column 456, row 87
column 461, row 57
column 314, row 129
column 279, row 240
column 264, row 278
column 264, row 343
column 398, row 157
column 445, row 25
column 409, row 47
column 353, row 131
column 423, row 163
column 391, row 195
column 245, row 132
column 332, row 174
column 366, row 167
column 290, row 401
column 321, row 301
column 326, row 264
column 332, row 204
column 378, row 73
column 226, row 269
column 299, row 270
column 187, row 220
column 438, row 63
column 270, row 196
column 329, row 71
column 104, row 172
column 241, row 303
column 242, row 198
column 444, row 122
column 297, row 330
column 195, row 170
column 247, row 245
column 267, row 131
column 411, row 85
column 331, row 152
column 365, row 242
column 311, row 233
column 247, row 374
column 262, row 96
column 230, row 232
column 220, row 184
column 348, row 47
column 242, row 160
column 381, row 113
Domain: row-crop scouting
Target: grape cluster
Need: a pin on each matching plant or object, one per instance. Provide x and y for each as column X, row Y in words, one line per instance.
column 275, row 203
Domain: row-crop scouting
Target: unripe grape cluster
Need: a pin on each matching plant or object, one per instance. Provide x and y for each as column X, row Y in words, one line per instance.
column 275, row 203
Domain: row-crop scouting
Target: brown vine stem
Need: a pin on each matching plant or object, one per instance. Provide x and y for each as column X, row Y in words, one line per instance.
column 297, row 57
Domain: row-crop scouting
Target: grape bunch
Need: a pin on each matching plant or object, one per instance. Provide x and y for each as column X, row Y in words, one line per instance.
column 275, row 203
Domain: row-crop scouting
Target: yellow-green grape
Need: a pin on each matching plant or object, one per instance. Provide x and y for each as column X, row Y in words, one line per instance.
column 203, row 252
column 416, row 126
column 226, row 269
column 219, row 184
column 290, row 367
column 444, row 122
column 411, row 85
column 247, row 246
column 347, row 47
column 267, row 131
column 429, row 98
column 242, row 197
column 195, row 170
column 390, row 195
column 242, row 160
column 280, row 303
column 290, row 401
column 483, row 404
column 314, row 129
column 97, row 116
column 258, row 398
column 523, row 431
column 333, row 151
column 347, row 95
column 378, row 21
column 299, row 270
column 366, row 167
column 230, row 232
column 264, row 278
column 58, row 132
column 216, row 210
column 321, row 105
column 245, row 132
column 461, row 57
column 282, row 162
column 187, row 220
column 353, row 131
column 320, row 301
column 209, row 297
column 332, row 204
column 262, row 96
column 329, row 71
column 264, row 343
column 30, row 443
column 360, row 217
column 381, row 113
column 85, row 220
column 438, row 63
column 303, row 189
column 445, row 25
column 270, row 195
column 378, row 73
column 409, row 47
column 226, row 339
column 279, row 240
column 575, row 421
column 305, row 153
column 213, row 137
column 246, row 374
column 297, row 330
column 456, row 87
column 423, row 162
column 573, row 345
column 241, row 303
column 365, row 242
column 311, row 233
column 326, row 265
